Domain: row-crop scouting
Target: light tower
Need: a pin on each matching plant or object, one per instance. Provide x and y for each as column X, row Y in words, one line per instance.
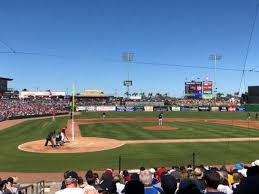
column 128, row 57
column 215, row 58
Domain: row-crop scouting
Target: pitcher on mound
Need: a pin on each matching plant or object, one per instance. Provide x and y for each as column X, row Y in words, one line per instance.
column 160, row 119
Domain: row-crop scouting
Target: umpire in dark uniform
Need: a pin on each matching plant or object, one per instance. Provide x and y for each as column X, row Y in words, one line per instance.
column 50, row 138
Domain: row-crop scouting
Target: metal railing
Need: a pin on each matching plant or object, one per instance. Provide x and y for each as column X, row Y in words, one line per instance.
column 37, row 188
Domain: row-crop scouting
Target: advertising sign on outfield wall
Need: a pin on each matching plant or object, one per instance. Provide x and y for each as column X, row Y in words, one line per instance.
column 223, row 109
column 176, row 108
column 148, row 108
column 129, row 108
column 204, row 108
column 214, row 108
column 240, row 109
column 139, row 108
column 81, row 108
column 90, row 108
column 185, row 108
column 231, row 109
column 160, row 108
column 105, row 108
column 194, row 109
column 120, row 108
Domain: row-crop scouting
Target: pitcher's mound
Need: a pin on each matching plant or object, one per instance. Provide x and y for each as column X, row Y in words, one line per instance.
column 81, row 144
column 157, row 127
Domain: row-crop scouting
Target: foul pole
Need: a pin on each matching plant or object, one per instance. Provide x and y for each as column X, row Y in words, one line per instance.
column 73, row 108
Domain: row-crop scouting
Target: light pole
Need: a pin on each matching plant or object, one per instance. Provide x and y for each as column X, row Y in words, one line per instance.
column 215, row 58
column 128, row 57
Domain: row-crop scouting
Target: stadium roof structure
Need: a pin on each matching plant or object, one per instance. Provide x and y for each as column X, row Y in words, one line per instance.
column 92, row 93
column 4, row 78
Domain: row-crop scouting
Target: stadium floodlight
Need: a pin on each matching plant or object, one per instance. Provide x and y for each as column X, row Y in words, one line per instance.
column 128, row 57
column 215, row 58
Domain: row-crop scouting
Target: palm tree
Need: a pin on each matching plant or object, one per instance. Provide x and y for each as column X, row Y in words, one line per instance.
column 142, row 94
column 228, row 96
column 219, row 95
column 165, row 94
column 150, row 95
column 127, row 93
column 158, row 95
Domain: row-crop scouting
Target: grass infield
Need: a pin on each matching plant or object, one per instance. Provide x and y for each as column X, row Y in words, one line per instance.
column 133, row 156
column 187, row 130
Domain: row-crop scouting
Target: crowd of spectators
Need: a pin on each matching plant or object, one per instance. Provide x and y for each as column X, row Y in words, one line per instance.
column 190, row 101
column 97, row 101
column 31, row 107
column 205, row 102
column 238, row 179
column 43, row 106
column 177, row 180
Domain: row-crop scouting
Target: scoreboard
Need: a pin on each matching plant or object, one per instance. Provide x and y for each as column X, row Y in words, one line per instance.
column 207, row 90
column 193, row 89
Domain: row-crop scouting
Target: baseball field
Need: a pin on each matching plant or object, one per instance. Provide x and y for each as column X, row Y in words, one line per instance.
column 215, row 138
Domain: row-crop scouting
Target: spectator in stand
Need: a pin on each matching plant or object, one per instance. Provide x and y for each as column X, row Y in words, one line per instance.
column 168, row 184
column 212, row 179
column 134, row 187
column 188, row 186
column 120, row 185
column 146, row 178
column 71, row 183
column 126, row 176
column 199, row 177
column 1, row 186
column 237, row 180
column 250, row 184
column 91, row 181
column 9, row 188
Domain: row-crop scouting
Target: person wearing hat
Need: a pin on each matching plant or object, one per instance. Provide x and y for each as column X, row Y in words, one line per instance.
column 9, row 188
column 51, row 138
column 71, row 183
column 198, row 176
column 160, row 119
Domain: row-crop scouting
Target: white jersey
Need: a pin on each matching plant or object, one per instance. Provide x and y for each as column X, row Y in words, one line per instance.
column 71, row 191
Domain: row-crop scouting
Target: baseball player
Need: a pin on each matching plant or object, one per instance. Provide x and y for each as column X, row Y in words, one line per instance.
column 160, row 119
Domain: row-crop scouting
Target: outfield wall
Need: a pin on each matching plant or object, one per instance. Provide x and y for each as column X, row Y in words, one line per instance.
column 248, row 108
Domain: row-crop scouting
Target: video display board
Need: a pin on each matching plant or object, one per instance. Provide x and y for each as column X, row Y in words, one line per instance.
column 207, row 90
column 193, row 89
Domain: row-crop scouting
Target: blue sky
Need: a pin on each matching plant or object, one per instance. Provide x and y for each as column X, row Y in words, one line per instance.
column 89, row 36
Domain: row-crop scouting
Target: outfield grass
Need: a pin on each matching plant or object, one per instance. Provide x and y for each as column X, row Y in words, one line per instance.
column 188, row 130
column 205, row 115
column 133, row 156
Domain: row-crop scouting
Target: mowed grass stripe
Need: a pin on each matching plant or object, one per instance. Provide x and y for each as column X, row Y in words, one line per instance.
column 135, row 131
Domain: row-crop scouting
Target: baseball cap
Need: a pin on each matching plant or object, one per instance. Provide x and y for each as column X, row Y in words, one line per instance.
column 255, row 163
column 239, row 166
column 71, row 176
column 198, row 173
column 108, row 170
